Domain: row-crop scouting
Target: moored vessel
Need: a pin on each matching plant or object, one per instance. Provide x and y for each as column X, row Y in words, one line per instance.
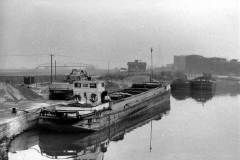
column 94, row 108
column 84, row 145
column 180, row 84
column 94, row 145
column 205, row 82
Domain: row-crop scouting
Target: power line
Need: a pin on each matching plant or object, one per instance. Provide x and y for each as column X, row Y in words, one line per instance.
column 66, row 66
column 22, row 55
column 97, row 60
column 58, row 55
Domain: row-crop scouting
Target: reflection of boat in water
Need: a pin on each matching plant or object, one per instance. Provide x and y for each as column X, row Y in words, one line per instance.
column 181, row 94
column 202, row 96
column 198, row 95
column 94, row 145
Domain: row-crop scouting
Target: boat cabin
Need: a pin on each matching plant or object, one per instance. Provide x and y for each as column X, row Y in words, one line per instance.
column 89, row 91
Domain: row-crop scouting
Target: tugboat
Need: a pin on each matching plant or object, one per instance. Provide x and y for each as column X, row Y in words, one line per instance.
column 94, row 108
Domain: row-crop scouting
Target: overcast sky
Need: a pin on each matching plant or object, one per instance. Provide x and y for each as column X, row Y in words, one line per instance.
column 97, row 31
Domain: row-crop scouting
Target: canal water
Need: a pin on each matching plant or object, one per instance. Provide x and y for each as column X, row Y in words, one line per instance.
column 196, row 125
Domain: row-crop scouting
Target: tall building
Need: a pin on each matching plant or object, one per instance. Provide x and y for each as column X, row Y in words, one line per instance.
column 179, row 63
column 137, row 66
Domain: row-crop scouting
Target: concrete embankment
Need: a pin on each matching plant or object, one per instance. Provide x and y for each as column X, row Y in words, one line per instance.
column 18, row 122
column 27, row 104
column 12, row 124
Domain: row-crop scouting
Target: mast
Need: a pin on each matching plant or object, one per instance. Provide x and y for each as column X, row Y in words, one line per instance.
column 51, row 78
column 55, row 70
column 108, row 66
column 150, row 148
column 151, row 76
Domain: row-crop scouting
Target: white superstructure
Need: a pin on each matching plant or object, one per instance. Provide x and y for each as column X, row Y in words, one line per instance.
column 89, row 91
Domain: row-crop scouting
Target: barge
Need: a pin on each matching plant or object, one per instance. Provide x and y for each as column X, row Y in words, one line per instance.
column 180, row 84
column 84, row 145
column 203, row 83
column 94, row 109
column 94, row 145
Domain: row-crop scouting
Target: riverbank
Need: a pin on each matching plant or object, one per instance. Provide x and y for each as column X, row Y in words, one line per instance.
column 4, row 145
column 28, row 103
column 12, row 124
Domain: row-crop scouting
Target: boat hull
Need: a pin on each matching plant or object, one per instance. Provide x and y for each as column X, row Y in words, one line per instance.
column 180, row 85
column 49, row 142
column 203, row 85
column 128, row 108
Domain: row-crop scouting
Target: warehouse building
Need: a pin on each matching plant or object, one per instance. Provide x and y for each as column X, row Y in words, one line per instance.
column 194, row 64
column 137, row 66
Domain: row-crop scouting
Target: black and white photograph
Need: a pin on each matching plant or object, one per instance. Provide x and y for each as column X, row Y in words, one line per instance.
column 119, row 79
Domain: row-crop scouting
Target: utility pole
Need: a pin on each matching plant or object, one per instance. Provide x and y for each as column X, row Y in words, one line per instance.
column 55, row 70
column 51, row 79
column 151, row 77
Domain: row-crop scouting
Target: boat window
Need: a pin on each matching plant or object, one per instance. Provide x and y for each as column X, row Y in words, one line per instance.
column 77, row 85
column 102, row 84
column 93, row 85
column 85, row 85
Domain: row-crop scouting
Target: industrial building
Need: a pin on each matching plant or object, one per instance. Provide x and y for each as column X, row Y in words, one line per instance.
column 137, row 66
column 194, row 64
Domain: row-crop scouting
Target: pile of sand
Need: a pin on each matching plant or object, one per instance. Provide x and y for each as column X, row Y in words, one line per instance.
column 10, row 93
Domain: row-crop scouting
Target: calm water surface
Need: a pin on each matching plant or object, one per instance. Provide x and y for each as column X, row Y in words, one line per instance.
column 199, row 126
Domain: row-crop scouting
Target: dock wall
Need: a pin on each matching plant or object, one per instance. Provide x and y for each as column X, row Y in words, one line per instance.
column 16, row 124
column 22, row 121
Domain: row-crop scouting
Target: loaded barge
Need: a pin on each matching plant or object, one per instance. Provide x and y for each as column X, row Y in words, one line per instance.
column 94, row 108
column 203, row 83
column 85, row 146
column 93, row 146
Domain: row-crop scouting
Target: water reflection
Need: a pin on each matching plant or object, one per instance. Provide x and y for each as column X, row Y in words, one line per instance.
column 202, row 96
column 223, row 87
column 181, row 94
column 80, row 146
column 198, row 95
